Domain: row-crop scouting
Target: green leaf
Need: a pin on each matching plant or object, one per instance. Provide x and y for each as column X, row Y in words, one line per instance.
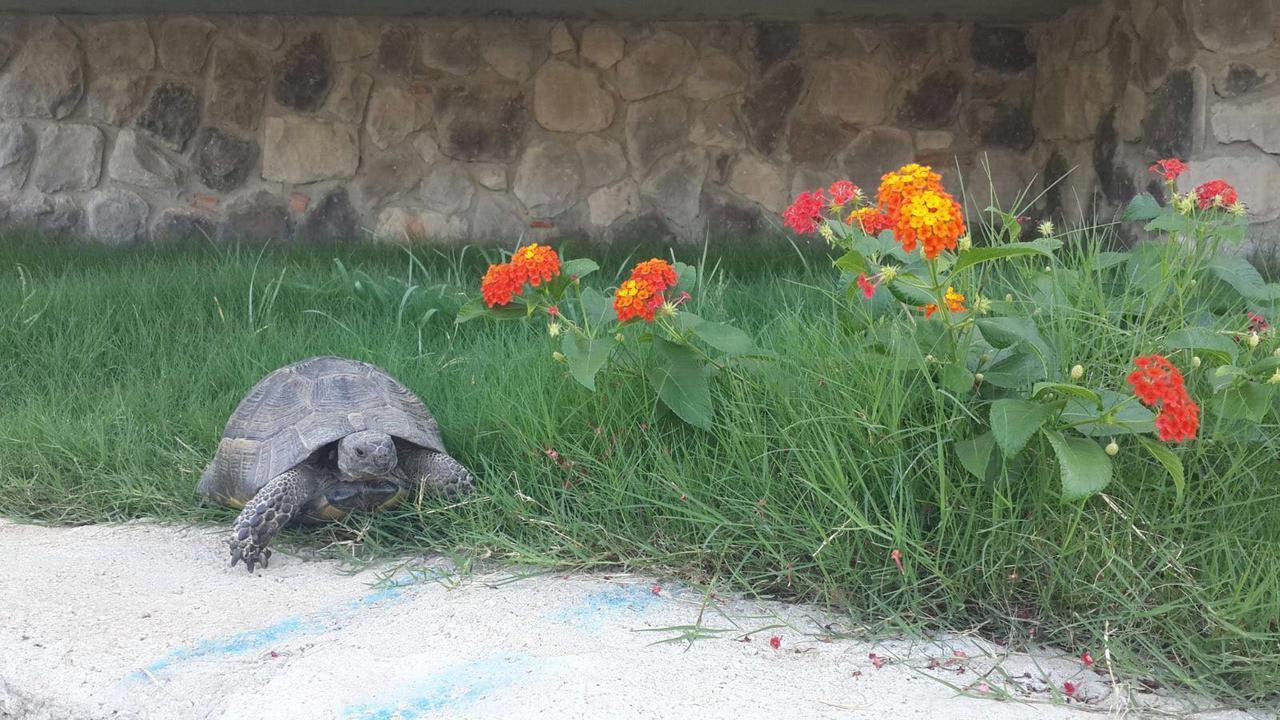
column 586, row 356
column 1013, row 422
column 957, row 378
column 1131, row 418
column 725, row 338
column 1202, row 341
column 578, row 267
column 472, row 310
column 1241, row 275
column 681, row 382
column 909, row 294
column 1143, row 207
column 1067, row 390
column 1003, row 332
column 975, row 455
column 1170, row 461
column 1086, row 469
column 598, row 308
column 1173, row 223
column 1245, row 401
column 1017, row 370
column 476, row 309
column 1044, row 247
column 853, row 263
column 686, row 278
column 1109, row 259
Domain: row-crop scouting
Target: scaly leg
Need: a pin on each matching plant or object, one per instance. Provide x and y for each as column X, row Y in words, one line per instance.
column 278, row 502
column 437, row 472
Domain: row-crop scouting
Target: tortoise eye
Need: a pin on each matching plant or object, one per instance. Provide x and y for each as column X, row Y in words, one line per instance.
column 359, row 452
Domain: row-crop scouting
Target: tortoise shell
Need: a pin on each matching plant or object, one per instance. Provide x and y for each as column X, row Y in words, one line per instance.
column 300, row 408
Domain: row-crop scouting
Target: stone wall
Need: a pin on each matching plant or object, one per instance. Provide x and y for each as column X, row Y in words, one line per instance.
column 1127, row 82
column 344, row 128
column 124, row 128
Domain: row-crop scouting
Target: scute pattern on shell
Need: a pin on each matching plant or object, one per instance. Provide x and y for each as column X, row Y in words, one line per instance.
column 299, row 408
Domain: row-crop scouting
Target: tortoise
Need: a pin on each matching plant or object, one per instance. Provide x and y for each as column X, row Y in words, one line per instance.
column 320, row 438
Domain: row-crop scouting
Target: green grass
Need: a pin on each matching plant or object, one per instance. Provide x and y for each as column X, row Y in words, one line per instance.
column 119, row 369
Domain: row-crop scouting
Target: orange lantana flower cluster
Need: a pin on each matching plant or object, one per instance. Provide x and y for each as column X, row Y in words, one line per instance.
column 920, row 211
column 1158, row 382
column 533, row 264
column 640, row 296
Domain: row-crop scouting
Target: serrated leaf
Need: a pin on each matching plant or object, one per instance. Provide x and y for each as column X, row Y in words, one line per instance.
column 1171, row 463
column 1244, row 401
column 853, row 263
column 1202, row 341
column 1174, row 223
column 598, row 308
column 975, row 455
column 957, row 378
column 1043, row 247
column 1013, row 422
column 1067, row 390
column 578, row 267
column 909, row 294
column 1241, row 275
column 1086, row 469
column 1143, row 207
column 477, row 309
column 1016, row 370
column 725, row 338
column 681, row 382
column 586, row 356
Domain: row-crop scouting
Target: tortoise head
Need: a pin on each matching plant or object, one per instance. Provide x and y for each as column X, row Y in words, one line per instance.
column 366, row 455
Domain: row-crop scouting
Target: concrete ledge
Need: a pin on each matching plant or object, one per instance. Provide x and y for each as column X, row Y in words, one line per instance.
column 1014, row 11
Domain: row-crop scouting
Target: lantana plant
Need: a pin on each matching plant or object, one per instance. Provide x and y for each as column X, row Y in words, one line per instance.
column 645, row 330
column 989, row 354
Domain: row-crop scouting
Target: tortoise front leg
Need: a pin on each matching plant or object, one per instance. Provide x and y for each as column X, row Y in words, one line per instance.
column 436, row 472
column 278, row 502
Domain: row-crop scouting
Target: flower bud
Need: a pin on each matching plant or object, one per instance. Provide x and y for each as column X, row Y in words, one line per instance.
column 965, row 243
column 554, row 329
column 888, row 273
column 1048, row 269
column 1077, row 372
column 1046, row 229
column 979, row 377
column 1254, row 339
column 930, row 358
column 1112, row 448
column 1195, row 361
column 826, row 232
column 1274, row 379
column 1008, row 297
column 558, row 356
column 620, row 337
column 667, row 310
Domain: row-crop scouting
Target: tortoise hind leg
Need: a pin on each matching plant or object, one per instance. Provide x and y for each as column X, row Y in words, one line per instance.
column 273, row 507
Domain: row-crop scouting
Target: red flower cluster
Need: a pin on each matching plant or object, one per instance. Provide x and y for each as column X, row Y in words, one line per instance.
column 536, row 263
column 805, row 212
column 1216, row 193
column 1157, row 381
column 1257, row 323
column 841, row 192
column 641, row 295
column 533, row 264
column 871, row 220
column 658, row 273
column 1169, row 168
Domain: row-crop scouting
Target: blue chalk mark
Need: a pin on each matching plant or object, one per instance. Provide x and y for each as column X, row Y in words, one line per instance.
column 262, row 638
column 591, row 612
column 453, row 688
